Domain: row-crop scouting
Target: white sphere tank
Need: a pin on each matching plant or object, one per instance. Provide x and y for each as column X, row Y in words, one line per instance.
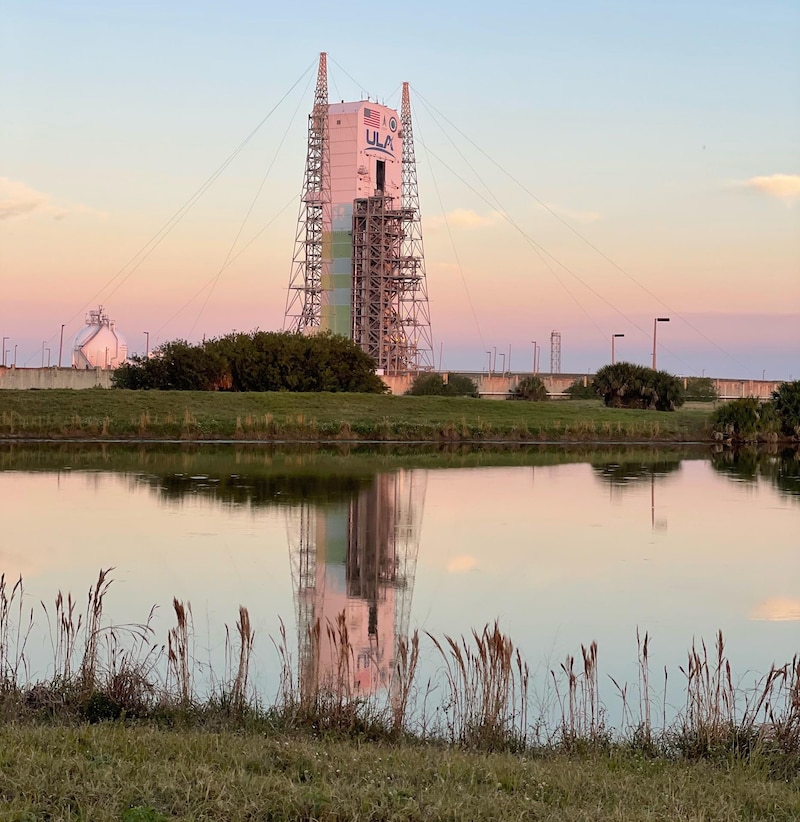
column 99, row 344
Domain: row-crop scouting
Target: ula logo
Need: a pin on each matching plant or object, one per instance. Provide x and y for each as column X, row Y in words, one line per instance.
column 375, row 144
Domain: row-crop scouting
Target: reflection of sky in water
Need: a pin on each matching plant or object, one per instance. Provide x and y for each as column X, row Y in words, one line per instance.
column 558, row 555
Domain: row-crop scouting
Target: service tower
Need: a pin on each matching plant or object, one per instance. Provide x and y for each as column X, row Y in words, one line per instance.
column 358, row 267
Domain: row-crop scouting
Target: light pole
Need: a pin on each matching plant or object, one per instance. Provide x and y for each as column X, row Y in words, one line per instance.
column 502, row 354
column 44, row 343
column 494, row 358
column 4, row 351
column 613, row 337
column 656, row 321
column 489, row 367
column 15, row 354
column 61, row 344
column 533, row 343
column 146, row 344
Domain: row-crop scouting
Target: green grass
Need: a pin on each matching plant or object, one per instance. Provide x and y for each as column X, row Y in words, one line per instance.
column 149, row 774
column 271, row 416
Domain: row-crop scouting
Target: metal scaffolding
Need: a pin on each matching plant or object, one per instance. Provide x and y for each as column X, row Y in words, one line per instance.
column 555, row 352
column 309, row 264
column 381, row 285
column 413, row 310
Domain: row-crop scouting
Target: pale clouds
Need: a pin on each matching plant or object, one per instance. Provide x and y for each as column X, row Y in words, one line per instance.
column 474, row 220
column 784, row 187
column 19, row 201
column 464, row 218
column 461, row 564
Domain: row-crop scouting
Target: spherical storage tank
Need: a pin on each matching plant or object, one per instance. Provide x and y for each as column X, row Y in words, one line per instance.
column 99, row 344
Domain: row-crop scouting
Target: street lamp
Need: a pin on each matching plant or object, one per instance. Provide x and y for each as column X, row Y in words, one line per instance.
column 61, row 344
column 656, row 321
column 489, row 368
column 146, row 344
column 4, row 351
column 533, row 343
column 502, row 354
column 613, row 337
column 494, row 358
column 44, row 343
column 15, row 354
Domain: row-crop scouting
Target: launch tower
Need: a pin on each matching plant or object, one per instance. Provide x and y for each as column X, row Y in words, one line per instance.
column 358, row 267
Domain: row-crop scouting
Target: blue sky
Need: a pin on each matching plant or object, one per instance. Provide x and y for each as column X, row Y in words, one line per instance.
column 665, row 134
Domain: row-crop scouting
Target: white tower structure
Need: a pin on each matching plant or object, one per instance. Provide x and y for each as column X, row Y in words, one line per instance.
column 99, row 344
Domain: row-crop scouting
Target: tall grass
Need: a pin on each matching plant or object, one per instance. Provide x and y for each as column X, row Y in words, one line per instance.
column 488, row 690
column 100, row 671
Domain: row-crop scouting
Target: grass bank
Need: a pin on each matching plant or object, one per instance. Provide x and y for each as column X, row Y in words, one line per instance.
column 148, row 773
column 190, row 415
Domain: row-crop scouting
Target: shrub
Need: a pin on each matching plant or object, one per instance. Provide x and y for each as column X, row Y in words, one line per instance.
column 451, row 385
column 530, row 388
column 786, row 399
column 258, row 361
column 580, row 391
column 745, row 419
column 627, row 385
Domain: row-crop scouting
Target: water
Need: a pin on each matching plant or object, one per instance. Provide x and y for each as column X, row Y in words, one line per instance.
column 561, row 546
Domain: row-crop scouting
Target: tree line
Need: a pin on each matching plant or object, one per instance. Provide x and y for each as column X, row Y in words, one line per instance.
column 254, row 361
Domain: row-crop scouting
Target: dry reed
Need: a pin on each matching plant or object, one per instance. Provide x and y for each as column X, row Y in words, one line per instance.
column 178, row 651
column 488, row 690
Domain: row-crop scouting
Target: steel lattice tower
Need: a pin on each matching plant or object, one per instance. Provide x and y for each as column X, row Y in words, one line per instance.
column 414, row 310
column 309, row 264
column 555, row 352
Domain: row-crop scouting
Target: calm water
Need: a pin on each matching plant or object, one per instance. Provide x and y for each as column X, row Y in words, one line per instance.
column 561, row 546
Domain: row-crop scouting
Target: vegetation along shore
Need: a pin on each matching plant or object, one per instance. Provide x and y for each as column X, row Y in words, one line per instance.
column 206, row 415
column 122, row 724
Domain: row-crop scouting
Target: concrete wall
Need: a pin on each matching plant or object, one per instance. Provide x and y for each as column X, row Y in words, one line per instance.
column 500, row 386
column 21, row 378
column 490, row 386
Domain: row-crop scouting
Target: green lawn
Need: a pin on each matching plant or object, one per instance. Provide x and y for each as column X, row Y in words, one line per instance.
column 206, row 415
column 146, row 773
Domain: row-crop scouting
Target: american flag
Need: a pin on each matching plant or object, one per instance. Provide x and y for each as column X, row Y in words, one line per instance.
column 372, row 118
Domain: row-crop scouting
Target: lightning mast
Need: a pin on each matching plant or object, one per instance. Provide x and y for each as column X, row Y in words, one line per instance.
column 309, row 264
column 413, row 303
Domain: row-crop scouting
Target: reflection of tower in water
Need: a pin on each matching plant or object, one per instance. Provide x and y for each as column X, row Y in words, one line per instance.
column 357, row 559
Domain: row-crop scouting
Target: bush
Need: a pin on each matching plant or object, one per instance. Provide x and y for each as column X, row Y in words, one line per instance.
column 451, row 385
column 579, row 391
column 745, row 419
column 258, row 361
column 786, row 399
column 531, row 389
column 175, row 366
column 627, row 385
